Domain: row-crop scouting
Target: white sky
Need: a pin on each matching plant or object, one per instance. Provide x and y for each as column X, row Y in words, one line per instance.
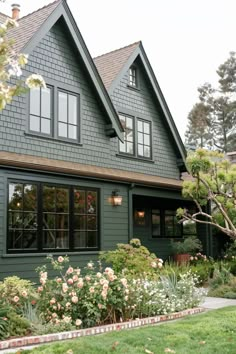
column 185, row 40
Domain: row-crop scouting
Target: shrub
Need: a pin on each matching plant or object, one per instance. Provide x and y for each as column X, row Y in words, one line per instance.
column 190, row 245
column 4, row 323
column 133, row 259
column 71, row 298
column 18, row 325
column 16, row 292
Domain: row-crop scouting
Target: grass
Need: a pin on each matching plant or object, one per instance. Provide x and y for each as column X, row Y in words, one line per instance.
column 208, row 333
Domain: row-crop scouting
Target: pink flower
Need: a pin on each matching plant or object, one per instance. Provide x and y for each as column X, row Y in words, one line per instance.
column 16, row 298
column 24, row 293
column 87, row 278
column 104, row 294
column 99, row 275
column 124, row 282
column 100, row 306
column 70, row 281
column 75, row 277
column 74, row 299
column 77, row 271
column 52, row 301
column 40, row 289
column 67, row 319
column 105, row 286
column 126, row 298
column 80, row 284
column 90, row 265
column 159, row 265
column 91, row 290
column 69, row 270
column 60, row 259
column 68, row 305
column 58, row 280
column 64, row 287
column 153, row 264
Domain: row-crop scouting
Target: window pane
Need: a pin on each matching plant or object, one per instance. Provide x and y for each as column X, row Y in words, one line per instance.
column 35, row 101
column 92, row 240
column 49, row 239
column 62, row 199
column 122, row 120
column 146, row 128
column 62, row 239
column 46, row 102
column 79, row 222
column 29, row 240
column 92, row 202
column 80, row 239
column 129, row 136
column 30, row 197
column 62, row 221
column 189, row 228
column 72, row 109
column 130, row 148
column 15, row 196
column 49, row 221
column 140, row 150
column 140, row 138
column 129, row 123
column 79, row 201
column 92, row 223
column 35, row 124
column 156, row 224
column 122, row 147
column 146, row 139
column 49, row 198
column 62, row 107
column 140, row 126
column 147, row 152
column 72, row 132
column 62, row 130
column 45, row 126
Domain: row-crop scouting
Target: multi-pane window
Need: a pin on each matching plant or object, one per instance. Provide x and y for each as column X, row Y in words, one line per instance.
column 128, row 124
column 44, row 217
column 144, row 138
column 133, row 76
column 41, row 110
column 137, row 136
column 165, row 224
column 67, row 115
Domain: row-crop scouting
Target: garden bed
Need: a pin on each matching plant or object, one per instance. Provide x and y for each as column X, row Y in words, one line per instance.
column 34, row 340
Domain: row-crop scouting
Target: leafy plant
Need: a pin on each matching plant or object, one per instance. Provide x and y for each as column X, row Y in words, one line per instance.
column 4, row 322
column 190, row 245
column 133, row 259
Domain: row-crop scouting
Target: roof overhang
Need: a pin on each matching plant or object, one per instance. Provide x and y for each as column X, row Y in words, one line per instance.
column 35, row 163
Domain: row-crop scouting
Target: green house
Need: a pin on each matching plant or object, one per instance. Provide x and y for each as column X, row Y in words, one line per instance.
column 92, row 160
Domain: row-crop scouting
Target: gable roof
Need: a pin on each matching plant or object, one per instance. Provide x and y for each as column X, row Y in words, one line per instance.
column 33, row 27
column 110, row 64
column 3, row 17
column 112, row 67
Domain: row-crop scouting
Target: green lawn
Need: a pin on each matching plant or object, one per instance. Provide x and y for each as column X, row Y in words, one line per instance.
column 211, row 332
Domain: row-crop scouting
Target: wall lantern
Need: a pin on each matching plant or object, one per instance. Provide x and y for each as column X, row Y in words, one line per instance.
column 116, row 198
column 141, row 214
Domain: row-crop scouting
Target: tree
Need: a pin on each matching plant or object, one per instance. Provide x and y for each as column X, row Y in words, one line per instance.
column 213, row 181
column 10, row 67
column 216, row 111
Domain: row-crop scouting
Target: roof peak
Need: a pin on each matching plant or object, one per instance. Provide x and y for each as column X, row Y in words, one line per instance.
column 116, row 50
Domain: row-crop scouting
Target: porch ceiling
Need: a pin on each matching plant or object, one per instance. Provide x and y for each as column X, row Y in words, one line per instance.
column 82, row 170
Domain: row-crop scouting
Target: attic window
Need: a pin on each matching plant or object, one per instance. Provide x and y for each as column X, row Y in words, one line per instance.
column 133, row 76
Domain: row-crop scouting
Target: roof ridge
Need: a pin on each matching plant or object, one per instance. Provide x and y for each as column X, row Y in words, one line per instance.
column 1, row 13
column 116, row 50
column 41, row 8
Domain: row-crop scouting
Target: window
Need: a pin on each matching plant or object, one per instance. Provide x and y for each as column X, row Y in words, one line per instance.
column 128, row 125
column 144, row 138
column 42, row 118
column 137, row 137
column 67, row 115
column 41, row 110
column 132, row 76
column 165, row 224
column 45, row 217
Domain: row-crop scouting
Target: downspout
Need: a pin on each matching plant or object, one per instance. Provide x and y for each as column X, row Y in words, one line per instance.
column 130, row 211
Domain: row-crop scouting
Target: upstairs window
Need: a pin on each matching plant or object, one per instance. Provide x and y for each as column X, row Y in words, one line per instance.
column 144, row 138
column 133, row 76
column 137, row 137
column 67, row 115
column 127, row 146
column 41, row 110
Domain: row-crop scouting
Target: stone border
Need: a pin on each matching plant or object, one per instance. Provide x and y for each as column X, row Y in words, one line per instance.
column 46, row 338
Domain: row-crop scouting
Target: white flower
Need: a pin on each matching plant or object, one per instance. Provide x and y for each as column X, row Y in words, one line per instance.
column 78, row 322
column 34, row 81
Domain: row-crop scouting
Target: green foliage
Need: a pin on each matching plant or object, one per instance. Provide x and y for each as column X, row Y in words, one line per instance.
column 133, row 259
column 213, row 182
column 16, row 291
column 190, row 245
column 18, row 325
column 4, row 323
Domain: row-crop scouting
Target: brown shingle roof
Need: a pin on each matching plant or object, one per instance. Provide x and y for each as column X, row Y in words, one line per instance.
column 110, row 64
column 111, row 174
column 30, row 24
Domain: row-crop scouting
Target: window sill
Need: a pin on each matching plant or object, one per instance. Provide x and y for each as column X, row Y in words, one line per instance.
column 130, row 157
column 133, row 88
column 63, row 253
column 39, row 136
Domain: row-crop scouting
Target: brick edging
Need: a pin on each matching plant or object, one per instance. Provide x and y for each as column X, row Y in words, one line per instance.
column 46, row 338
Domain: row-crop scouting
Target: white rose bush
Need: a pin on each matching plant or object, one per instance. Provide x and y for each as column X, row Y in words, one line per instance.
column 11, row 65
